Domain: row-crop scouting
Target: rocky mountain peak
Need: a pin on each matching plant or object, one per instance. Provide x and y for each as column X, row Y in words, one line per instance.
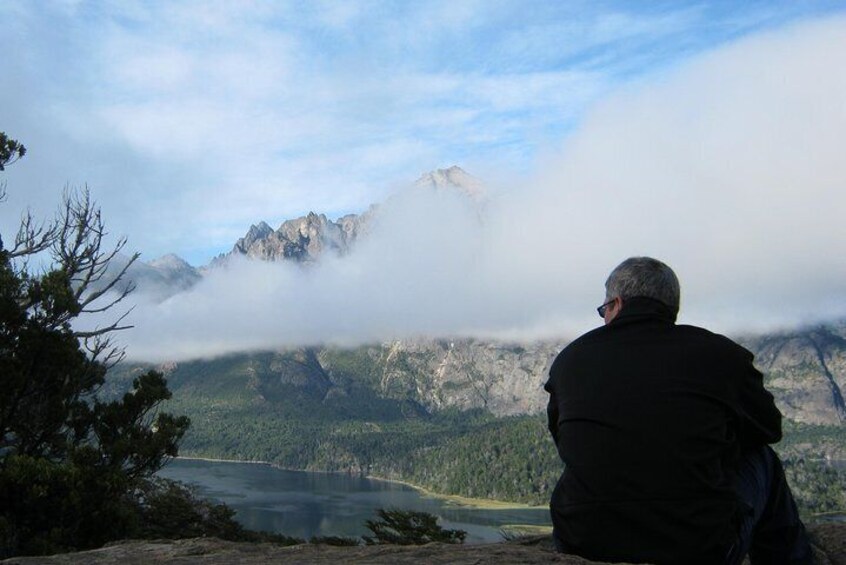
column 257, row 232
column 158, row 279
column 306, row 238
column 170, row 262
column 302, row 239
column 307, row 226
column 450, row 179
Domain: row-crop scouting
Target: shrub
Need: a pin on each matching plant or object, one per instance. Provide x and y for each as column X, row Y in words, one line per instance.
column 408, row 527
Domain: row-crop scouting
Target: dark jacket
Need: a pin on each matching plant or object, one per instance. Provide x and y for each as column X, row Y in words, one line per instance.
column 649, row 418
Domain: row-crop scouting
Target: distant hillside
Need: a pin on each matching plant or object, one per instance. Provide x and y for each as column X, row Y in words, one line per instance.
column 462, row 417
column 806, row 371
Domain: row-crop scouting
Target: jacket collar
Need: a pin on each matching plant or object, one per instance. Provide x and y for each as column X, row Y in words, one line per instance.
column 640, row 307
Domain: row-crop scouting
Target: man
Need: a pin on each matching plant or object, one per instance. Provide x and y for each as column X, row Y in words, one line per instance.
column 663, row 430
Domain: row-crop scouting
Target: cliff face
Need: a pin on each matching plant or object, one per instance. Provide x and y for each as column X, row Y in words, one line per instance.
column 306, row 239
column 501, row 378
column 303, row 240
column 806, row 372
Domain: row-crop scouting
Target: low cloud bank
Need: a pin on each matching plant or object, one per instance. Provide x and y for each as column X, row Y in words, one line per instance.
column 730, row 169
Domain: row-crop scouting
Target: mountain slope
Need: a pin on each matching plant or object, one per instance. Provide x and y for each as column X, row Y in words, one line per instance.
column 806, row 371
column 462, row 417
column 305, row 239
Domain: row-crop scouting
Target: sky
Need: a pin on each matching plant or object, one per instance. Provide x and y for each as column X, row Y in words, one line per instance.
column 707, row 134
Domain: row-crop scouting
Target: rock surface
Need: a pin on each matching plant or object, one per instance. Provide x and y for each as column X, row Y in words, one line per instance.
column 451, row 179
column 158, row 279
column 830, row 548
column 504, row 379
column 303, row 240
column 306, row 239
column 805, row 373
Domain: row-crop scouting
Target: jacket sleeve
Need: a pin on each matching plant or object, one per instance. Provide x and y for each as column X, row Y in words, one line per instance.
column 760, row 418
column 552, row 405
column 552, row 417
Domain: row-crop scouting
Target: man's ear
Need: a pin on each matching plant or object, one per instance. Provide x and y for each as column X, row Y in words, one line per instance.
column 616, row 306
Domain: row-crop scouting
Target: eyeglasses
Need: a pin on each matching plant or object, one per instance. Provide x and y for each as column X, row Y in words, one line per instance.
column 604, row 307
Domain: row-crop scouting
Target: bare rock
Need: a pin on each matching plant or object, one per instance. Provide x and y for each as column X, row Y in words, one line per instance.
column 829, row 540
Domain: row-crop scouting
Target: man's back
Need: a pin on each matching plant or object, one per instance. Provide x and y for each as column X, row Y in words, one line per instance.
column 649, row 418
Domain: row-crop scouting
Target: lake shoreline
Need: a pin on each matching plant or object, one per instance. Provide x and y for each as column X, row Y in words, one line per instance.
column 467, row 502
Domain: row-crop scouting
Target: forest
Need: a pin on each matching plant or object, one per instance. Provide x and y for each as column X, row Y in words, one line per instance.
column 471, row 453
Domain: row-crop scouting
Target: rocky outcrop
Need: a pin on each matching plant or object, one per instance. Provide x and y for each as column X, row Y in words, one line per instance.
column 175, row 272
column 804, row 369
column 503, row 378
column 256, row 233
column 453, row 178
column 303, row 240
column 829, row 540
column 158, row 279
column 806, row 372
column 307, row 238
column 211, row 551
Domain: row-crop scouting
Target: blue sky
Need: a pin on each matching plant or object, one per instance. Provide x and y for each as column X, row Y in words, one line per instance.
column 192, row 120
column 709, row 135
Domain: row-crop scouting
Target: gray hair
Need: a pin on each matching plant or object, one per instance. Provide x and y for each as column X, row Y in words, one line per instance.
column 644, row 276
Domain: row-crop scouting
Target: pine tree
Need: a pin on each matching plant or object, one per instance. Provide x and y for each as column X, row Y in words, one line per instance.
column 70, row 465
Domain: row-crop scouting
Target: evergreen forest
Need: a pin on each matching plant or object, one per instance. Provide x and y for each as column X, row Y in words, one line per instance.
column 360, row 430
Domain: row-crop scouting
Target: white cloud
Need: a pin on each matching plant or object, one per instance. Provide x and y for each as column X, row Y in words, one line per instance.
column 180, row 114
column 731, row 170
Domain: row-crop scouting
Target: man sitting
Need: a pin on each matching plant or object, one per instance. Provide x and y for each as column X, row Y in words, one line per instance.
column 664, row 433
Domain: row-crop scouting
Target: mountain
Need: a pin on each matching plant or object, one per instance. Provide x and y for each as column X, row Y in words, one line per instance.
column 453, row 178
column 456, row 416
column 805, row 371
column 158, row 279
column 305, row 239
column 174, row 272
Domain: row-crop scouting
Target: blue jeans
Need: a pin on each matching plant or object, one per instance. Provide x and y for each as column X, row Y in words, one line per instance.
column 770, row 529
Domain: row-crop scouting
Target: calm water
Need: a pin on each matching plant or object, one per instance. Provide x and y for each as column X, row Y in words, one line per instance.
column 302, row 504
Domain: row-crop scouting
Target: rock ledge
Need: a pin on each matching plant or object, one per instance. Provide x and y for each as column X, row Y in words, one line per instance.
column 829, row 539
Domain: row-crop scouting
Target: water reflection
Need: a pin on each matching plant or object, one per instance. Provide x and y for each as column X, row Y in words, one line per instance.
column 302, row 504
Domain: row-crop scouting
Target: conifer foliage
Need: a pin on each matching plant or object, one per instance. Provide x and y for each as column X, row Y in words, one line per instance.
column 408, row 527
column 10, row 151
column 70, row 465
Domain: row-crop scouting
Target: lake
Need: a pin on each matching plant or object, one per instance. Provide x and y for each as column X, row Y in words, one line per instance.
column 305, row 504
